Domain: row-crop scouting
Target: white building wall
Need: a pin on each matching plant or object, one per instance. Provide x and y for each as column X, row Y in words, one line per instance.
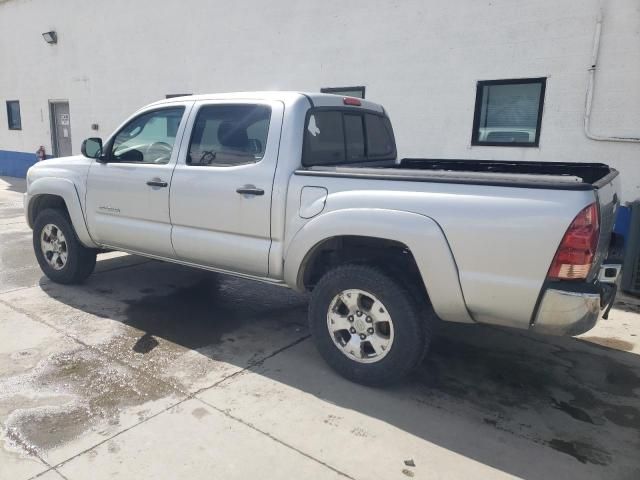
column 420, row 59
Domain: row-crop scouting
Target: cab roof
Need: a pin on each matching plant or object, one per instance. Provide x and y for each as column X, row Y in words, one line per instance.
column 287, row 97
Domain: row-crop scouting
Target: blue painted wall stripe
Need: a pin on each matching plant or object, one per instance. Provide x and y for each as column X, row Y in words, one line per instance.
column 15, row 164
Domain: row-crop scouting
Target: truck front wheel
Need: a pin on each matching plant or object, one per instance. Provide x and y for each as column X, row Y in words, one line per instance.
column 367, row 325
column 60, row 254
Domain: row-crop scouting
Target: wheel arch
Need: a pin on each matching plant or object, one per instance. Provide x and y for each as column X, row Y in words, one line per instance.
column 58, row 193
column 420, row 235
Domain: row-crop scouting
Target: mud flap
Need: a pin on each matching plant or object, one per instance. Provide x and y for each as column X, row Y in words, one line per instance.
column 608, row 297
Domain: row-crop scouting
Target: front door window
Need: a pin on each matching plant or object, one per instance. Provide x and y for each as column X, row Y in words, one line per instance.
column 148, row 138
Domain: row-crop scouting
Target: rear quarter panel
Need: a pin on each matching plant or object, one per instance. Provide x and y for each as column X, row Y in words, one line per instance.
column 502, row 239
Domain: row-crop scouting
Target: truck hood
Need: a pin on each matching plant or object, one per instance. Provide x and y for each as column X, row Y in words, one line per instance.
column 63, row 162
column 73, row 168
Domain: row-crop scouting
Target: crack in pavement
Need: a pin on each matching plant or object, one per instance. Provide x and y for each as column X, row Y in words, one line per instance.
column 276, row 439
column 251, row 365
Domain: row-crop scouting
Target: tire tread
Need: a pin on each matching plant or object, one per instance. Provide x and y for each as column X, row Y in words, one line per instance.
column 409, row 312
column 81, row 260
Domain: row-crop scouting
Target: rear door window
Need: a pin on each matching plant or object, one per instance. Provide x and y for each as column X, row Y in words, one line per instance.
column 229, row 135
column 334, row 137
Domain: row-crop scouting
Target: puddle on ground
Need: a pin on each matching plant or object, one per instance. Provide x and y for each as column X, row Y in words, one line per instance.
column 227, row 320
column 190, row 317
column 200, row 413
column 206, row 316
column 201, row 314
column 68, row 394
column 508, row 377
column 193, row 316
column 572, row 411
column 145, row 344
column 583, row 452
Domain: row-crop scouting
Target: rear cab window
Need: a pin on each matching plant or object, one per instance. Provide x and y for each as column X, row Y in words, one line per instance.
column 339, row 136
column 380, row 141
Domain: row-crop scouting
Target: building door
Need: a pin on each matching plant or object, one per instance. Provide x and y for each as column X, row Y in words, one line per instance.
column 60, row 129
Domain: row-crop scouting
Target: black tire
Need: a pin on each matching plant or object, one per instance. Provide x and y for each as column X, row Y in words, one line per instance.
column 80, row 260
column 412, row 323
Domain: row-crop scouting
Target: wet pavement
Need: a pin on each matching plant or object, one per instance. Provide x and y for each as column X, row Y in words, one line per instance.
column 152, row 370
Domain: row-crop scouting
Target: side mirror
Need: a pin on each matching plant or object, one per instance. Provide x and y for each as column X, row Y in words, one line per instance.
column 92, row 148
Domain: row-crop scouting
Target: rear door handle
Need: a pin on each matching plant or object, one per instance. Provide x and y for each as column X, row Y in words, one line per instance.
column 250, row 190
column 157, row 183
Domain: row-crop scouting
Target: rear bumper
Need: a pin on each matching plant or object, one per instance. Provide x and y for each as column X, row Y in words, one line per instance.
column 572, row 309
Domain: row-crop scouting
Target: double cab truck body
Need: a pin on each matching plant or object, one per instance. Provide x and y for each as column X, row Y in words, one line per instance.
column 305, row 190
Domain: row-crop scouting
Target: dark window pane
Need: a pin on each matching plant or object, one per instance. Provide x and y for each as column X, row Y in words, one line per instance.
column 380, row 141
column 13, row 115
column 324, row 139
column 226, row 135
column 354, row 132
column 509, row 112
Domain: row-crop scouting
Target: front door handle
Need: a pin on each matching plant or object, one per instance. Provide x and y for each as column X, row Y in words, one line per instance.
column 250, row 190
column 157, row 183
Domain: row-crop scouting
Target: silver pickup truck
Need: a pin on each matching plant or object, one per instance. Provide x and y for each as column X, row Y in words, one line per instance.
column 305, row 190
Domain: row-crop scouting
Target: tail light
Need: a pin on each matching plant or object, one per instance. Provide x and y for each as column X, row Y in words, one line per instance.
column 351, row 101
column 577, row 250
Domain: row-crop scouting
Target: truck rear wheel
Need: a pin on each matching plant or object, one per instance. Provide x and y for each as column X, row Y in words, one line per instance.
column 367, row 325
column 60, row 254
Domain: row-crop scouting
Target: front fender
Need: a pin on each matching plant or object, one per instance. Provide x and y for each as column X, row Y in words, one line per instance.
column 65, row 189
column 421, row 234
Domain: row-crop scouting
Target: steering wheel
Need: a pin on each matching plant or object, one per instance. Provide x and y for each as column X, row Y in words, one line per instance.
column 207, row 157
column 162, row 149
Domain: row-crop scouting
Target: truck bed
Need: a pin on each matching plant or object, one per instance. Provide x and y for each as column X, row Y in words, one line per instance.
column 545, row 175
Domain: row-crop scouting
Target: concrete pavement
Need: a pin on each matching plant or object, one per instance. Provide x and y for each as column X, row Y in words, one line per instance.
column 151, row 370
